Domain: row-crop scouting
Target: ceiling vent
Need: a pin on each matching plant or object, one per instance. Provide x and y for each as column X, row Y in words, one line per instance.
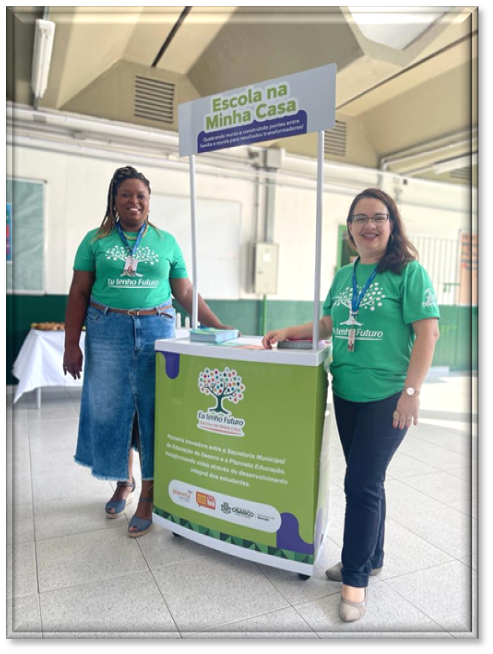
column 464, row 174
column 335, row 140
column 154, row 99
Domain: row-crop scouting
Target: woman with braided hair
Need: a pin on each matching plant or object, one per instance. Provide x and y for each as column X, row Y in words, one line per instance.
column 125, row 273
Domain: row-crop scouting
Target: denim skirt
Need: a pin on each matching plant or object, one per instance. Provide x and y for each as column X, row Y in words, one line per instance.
column 119, row 386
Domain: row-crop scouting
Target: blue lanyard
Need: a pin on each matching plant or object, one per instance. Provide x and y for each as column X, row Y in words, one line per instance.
column 356, row 299
column 124, row 238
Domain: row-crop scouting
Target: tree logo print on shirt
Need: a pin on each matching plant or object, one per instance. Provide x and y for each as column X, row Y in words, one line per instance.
column 372, row 299
column 142, row 255
column 430, row 298
column 222, row 385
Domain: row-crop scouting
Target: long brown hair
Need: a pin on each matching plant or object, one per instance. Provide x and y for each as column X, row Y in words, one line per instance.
column 110, row 217
column 400, row 251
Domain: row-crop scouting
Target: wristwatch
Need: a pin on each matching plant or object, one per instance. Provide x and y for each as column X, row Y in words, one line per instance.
column 409, row 390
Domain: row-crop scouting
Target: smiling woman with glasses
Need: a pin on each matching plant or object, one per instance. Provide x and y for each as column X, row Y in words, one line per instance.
column 376, row 231
column 382, row 314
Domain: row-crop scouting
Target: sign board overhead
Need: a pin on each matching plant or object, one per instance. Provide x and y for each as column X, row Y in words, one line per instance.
column 271, row 110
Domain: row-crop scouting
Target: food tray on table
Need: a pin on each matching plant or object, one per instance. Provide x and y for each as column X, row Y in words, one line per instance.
column 49, row 326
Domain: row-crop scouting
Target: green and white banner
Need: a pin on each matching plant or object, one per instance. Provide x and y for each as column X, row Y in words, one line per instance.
column 238, row 455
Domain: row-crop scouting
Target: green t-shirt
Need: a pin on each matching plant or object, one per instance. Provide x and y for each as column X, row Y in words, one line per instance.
column 159, row 258
column 377, row 367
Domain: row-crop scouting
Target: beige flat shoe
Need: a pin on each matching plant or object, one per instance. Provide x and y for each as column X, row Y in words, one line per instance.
column 334, row 573
column 352, row 611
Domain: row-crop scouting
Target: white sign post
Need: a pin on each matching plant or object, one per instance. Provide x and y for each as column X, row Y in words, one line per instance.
column 193, row 207
column 271, row 110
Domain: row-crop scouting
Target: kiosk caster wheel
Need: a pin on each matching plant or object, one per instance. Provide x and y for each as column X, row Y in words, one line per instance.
column 303, row 577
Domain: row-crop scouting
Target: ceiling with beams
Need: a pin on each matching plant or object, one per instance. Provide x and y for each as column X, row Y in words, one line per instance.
column 406, row 86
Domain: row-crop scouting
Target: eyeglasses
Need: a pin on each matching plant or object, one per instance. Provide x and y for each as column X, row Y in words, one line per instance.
column 360, row 219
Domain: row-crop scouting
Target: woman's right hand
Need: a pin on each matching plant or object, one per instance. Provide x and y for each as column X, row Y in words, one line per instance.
column 72, row 361
column 274, row 337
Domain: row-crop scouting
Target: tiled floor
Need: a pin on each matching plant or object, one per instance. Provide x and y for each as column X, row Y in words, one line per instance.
column 74, row 574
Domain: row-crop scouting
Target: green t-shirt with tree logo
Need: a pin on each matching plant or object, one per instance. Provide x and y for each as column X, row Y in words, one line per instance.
column 377, row 367
column 158, row 256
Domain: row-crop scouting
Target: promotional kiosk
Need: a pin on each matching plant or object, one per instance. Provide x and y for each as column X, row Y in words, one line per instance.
column 241, row 454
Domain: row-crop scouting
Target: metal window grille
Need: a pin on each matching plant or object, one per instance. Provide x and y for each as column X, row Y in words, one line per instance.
column 441, row 259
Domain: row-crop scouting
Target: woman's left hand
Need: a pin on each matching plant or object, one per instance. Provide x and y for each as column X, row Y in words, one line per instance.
column 406, row 411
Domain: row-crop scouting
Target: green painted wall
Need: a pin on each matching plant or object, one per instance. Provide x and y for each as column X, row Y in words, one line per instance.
column 458, row 344
column 457, row 347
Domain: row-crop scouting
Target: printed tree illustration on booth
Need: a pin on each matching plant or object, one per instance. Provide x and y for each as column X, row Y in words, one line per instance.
column 224, row 385
column 142, row 255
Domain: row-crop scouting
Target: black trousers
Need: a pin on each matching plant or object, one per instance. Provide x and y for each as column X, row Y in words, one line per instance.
column 369, row 442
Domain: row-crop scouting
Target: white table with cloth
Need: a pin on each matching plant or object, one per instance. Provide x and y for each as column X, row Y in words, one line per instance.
column 40, row 362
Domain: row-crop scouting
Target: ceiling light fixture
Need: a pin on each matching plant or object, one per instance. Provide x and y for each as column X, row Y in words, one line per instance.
column 43, row 46
column 454, row 164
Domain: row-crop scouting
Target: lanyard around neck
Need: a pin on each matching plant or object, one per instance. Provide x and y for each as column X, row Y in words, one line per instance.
column 132, row 250
column 356, row 299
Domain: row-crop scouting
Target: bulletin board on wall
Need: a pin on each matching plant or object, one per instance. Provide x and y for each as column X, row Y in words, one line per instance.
column 25, row 236
column 218, row 240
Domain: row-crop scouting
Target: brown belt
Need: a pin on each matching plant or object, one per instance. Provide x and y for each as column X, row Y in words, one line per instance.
column 133, row 312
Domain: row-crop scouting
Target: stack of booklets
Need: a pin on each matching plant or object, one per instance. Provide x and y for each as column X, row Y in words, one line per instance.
column 299, row 344
column 210, row 335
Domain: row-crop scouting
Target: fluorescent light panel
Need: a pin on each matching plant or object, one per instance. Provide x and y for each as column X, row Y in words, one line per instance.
column 43, row 46
column 454, row 164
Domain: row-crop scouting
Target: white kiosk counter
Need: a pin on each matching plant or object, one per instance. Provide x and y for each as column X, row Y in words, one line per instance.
column 241, row 463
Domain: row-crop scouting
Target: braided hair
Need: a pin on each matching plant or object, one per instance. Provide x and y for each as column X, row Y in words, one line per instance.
column 110, row 217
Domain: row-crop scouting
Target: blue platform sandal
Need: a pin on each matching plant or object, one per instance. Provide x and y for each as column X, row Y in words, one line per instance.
column 142, row 525
column 119, row 505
